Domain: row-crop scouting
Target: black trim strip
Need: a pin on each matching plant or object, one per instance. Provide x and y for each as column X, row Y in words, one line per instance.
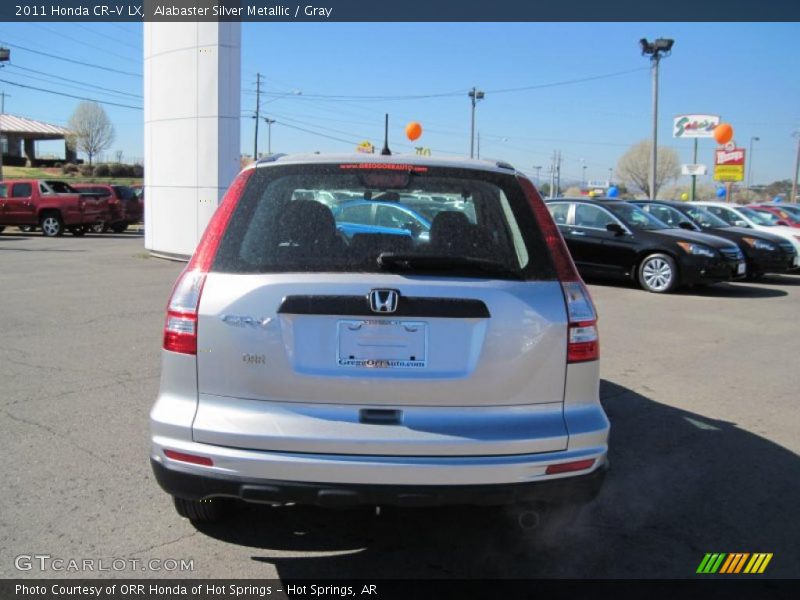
column 407, row 306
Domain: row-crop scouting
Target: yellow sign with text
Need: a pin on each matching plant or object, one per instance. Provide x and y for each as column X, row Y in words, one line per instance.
column 728, row 172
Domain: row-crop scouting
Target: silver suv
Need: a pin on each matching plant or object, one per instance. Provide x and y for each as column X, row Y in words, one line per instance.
column 337, row 357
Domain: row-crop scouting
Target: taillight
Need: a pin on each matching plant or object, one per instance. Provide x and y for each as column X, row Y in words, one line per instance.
column 180, row 329
column 583, row 343
column 562, row 261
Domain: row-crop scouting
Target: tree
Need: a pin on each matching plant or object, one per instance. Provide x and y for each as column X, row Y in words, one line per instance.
column 91, row 130
column 634, row 167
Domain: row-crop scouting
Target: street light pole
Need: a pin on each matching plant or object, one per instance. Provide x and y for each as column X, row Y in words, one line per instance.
column 475, row 94
column 538, row 168
column 750, row 161
column 656, row 49
column 269, row 123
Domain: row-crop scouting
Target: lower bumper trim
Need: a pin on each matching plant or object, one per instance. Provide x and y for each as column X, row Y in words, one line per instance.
column 576, row 489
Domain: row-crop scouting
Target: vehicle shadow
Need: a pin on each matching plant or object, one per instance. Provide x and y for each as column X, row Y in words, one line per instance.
column 731, row 290
column 681, row 484
column 780, row 279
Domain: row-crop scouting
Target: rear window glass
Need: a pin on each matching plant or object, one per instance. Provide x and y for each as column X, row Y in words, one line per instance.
column 336, row 218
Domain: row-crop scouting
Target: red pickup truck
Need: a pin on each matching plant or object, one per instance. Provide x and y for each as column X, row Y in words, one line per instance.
column 52, row 205
column 122, row 205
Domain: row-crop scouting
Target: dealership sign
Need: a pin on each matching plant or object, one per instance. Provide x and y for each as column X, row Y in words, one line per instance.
column 729, row 164
column 694, row 126
column 693, row 170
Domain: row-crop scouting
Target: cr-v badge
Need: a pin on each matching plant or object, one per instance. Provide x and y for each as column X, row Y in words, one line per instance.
column 245, row 321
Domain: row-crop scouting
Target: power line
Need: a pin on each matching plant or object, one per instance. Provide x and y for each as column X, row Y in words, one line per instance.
column 87, row 44
column 38, row 89
column 82, row 83
column 346, row 97
column 330, row 137
column 110, row 37
column 565, row 82
column 77, row 62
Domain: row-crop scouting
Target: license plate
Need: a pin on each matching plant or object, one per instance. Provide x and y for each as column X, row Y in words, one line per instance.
column 741, row 268
column 382, row 344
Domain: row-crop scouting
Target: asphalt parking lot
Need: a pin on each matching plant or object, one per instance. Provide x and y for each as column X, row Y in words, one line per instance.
column 701, row 388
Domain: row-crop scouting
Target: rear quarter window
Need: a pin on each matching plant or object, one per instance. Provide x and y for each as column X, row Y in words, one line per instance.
column 478, row 216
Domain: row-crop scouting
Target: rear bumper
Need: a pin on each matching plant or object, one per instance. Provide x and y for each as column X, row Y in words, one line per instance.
column 576, row 489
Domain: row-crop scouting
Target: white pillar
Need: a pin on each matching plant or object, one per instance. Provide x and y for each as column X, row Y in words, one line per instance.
column 192, row 83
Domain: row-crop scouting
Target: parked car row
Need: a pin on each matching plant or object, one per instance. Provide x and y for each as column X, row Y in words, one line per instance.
column 663, row 245
column 55, row 206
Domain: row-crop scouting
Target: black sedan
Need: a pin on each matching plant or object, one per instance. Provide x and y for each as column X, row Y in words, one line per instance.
column 615, row 238
column 764, row 252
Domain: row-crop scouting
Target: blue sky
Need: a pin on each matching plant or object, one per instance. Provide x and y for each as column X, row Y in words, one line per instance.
column 745, row 72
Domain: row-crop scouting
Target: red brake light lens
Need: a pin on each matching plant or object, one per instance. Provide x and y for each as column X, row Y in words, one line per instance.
column 180, row 329
column 189, row 458
column 562, row 261
column 578, row 465
column 583, row 342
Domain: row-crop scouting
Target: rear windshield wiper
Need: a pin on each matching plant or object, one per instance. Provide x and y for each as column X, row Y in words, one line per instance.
column 462, row 264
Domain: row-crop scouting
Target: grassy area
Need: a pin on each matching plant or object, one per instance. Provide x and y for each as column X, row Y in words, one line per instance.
column 41, row 173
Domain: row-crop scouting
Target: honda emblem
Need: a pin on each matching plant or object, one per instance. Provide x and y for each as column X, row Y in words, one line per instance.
column 384, row 301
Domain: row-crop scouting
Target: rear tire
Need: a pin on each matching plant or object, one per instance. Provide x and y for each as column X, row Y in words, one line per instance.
column 658, row 273
column 200, row 511
column 119, row 227
column 99, row 227
column 52, row 225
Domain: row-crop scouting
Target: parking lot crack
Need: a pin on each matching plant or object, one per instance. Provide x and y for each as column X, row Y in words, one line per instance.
column 54, row 433
column 163, row 544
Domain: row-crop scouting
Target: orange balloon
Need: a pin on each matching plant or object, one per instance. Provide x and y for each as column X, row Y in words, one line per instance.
column 723, row 133
column 413, row 130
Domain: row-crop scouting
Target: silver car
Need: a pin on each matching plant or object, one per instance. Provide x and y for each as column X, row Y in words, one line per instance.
column 304, row 365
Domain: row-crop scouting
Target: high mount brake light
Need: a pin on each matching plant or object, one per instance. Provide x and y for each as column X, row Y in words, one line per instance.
column 583, row 342
column 180, row 328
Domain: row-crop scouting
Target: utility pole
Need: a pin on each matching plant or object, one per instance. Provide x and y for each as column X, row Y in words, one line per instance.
column 610, row 176
column 558, row 172
column 269, row 123
column 5, row 56
column 552, row 176
column 2, row 112
column 796, row 169
column 475, row 94
column 258, row 114
column 479, row 145
column 655, row 49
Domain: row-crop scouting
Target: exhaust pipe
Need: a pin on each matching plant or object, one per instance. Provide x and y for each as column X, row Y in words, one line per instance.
column 529, row 518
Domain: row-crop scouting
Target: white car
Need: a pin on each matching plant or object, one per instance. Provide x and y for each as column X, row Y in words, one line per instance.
column 743, row 216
